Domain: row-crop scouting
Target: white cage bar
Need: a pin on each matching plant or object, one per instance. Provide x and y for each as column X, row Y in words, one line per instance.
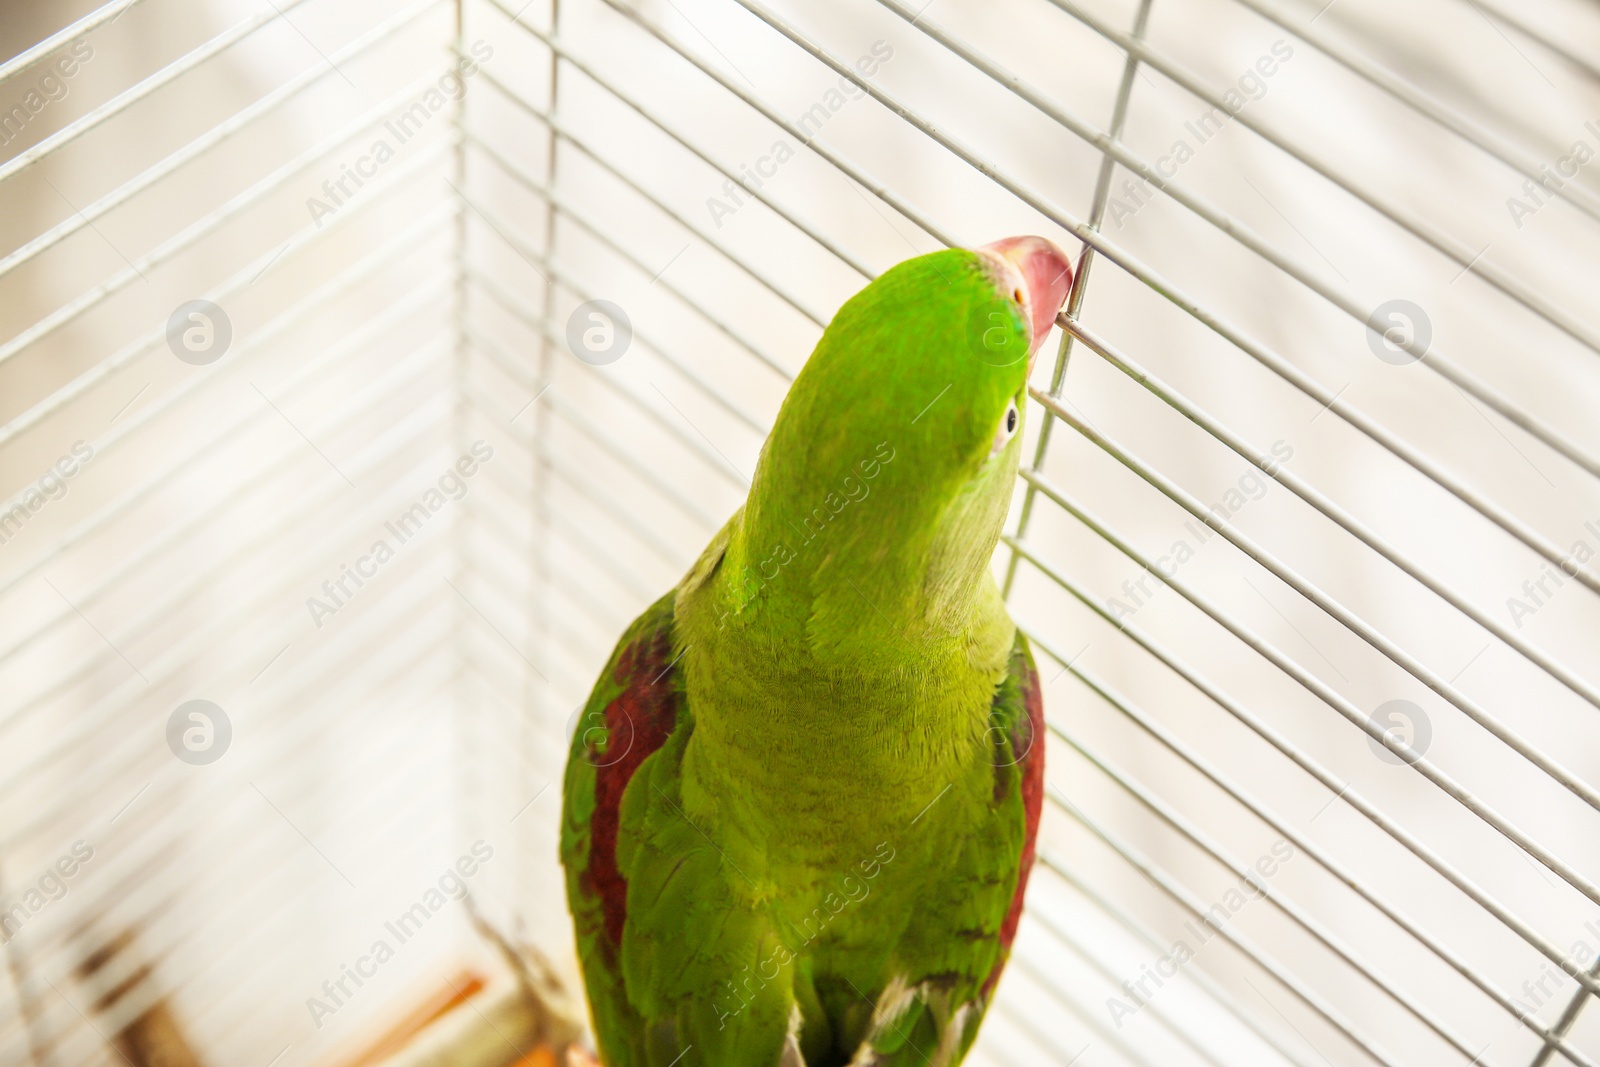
column 1426, row 888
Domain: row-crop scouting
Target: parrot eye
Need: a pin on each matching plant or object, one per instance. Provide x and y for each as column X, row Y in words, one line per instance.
column 1007, row 428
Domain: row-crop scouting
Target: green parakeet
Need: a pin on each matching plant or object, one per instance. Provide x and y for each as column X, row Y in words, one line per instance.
column 800, row 804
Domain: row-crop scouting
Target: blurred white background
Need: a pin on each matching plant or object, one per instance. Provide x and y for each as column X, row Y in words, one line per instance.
column 169, row 524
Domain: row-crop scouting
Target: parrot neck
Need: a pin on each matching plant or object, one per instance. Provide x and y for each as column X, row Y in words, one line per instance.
column 866, row 675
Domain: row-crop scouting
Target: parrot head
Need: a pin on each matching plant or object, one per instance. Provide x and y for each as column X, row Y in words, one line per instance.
column 881, row 492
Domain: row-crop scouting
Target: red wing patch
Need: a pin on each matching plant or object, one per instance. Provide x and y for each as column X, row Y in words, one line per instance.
column 638, row 722
column 1028, row 738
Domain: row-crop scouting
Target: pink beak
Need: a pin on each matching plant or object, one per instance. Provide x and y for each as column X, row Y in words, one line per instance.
column 1038, row 276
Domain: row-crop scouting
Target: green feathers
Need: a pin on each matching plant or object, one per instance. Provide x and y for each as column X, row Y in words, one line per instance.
column 802, row 816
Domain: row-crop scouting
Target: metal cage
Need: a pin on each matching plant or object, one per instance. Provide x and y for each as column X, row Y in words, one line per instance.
column 368, row 367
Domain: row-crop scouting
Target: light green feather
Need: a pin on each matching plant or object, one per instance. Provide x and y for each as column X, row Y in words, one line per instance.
column 833, row 813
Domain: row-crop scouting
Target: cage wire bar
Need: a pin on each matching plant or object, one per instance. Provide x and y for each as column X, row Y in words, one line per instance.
column 424, row 317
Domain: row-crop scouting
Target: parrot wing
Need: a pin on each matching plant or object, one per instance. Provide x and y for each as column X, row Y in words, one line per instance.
column 632, row 711
column 657, row 923
column 1017, row 732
